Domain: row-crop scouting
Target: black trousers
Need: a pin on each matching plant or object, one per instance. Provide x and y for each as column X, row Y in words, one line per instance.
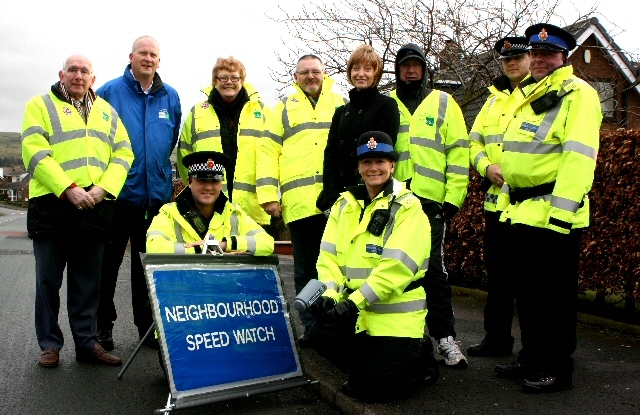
column 81, row 254
column 130, row 223
column 545, row 268
column 440, row 319
column 306, row 235
column 498, row 312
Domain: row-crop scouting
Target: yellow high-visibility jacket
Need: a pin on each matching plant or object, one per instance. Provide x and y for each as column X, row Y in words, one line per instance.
column 292, row 155
column 375, row 272
column 404, row 167
column 487, row 135
column 201, row 131
column 59, row 148
column 439, row 149
column 558, row 145
column 169, row 231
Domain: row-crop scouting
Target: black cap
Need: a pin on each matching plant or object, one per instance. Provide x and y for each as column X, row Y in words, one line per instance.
column 549, row 37
column 511, row 46
column 376, row 144
column 206, row 164
column 410, row 51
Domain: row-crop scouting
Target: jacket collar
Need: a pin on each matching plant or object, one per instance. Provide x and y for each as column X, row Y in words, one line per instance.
column 157, row 81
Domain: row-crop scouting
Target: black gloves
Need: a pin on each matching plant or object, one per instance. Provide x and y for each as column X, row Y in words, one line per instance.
column 321, row 306
column 342, row 310
column 449, row 210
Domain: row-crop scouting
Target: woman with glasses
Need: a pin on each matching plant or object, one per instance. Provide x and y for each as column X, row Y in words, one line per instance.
column 230, row 121
column 367, row 110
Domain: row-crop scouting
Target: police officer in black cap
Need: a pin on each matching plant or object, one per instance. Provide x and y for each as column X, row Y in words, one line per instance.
column 485, row 151
column 202, row 210
column 548, row 161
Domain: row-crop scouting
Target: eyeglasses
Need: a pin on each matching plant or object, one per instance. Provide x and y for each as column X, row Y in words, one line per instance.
column 314, row 72
column 225, row 78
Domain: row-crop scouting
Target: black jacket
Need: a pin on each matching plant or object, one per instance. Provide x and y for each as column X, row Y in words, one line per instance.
column 367, row 110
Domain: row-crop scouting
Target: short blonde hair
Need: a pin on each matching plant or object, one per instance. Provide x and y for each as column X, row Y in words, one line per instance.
column 365, row 54
column 230, row 64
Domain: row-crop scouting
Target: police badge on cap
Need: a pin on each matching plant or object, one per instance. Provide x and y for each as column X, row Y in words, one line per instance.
column 206, row 165
column 549, row 37
column 511, row 46
column 376, row 144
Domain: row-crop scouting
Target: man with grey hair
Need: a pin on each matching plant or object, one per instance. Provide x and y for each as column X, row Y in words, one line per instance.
column 78, row 154
column 151, row 112
column 290, row 160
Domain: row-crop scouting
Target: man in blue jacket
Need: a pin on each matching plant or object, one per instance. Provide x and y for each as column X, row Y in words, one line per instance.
column 151, row 113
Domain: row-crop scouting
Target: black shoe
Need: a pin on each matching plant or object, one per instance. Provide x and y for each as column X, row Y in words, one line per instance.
column 151, row 342
column 105, row 339
column 543, row 383
column 513, row 370
column 490, row 349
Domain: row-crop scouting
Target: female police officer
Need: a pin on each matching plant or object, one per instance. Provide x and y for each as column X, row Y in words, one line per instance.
column 372, row 256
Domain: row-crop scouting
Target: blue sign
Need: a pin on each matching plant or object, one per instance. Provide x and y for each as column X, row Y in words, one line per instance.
column 222, row 326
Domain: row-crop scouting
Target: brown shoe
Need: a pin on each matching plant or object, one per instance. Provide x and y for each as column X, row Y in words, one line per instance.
column 97, row 356
column 49, row 357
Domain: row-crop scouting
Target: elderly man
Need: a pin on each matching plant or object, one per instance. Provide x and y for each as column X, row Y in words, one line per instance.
column 151, row 112
column 203, row 209
column 548, row 161
column 486, row 148
column 230, row 121
column 434, row 155
column 78, row 154
column 292, row 159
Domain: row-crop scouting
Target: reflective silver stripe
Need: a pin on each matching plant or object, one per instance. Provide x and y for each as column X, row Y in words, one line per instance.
column 61, row 137
column 431, row 173
column 82, row 162
column 56, row 125
column 225, row 187
column 492, row 101
column 267, row 181
column 158, row 233
column 275, row 137
column 409, row 306
column 114, row 128
column 251, row 132
column 251, row 245
column 356, row 273
column 404, row 155
column 547, row 122
column 178, row 230
column 476, row 136
column 461, row 143
column 546, row 198
column 244, row 186
column 234, row 224
column 285, row 117
column 505, row 188
column 305, row 126
column 392, row 217
column 495, row 139
column 457, row 170
column 121, row 162
column 369, row 294
column 479, row 157
column 425, row 142
column 565, row 204
column 328, row 247
column 34, row 130
column 404, row 128
column 37, row 158
column 202, row 136
column 442, row 112
column 343, row 205
column 401, row 256
column 179, row 248
column 306, row 181
column 425, row 265
column 581, row 148
column 535, row 147
column 331, row 285
column 255, row 232
column 122, row 144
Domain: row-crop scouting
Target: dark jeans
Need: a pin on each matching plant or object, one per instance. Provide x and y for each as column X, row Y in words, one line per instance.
column 440, row 319
column 498, row 312
column 130, row 223
column 81, row 254
column 306, row 235
column 545, row 268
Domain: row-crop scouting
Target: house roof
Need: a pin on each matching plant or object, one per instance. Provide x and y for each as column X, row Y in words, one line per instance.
column 21, row 185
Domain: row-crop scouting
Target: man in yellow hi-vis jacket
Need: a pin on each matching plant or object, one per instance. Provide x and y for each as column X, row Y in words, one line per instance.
column 548, row 161
column 202, row 209
column 78, row 154
column 484, row 154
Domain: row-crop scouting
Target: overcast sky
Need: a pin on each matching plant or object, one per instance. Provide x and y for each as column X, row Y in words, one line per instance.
column 36, row 37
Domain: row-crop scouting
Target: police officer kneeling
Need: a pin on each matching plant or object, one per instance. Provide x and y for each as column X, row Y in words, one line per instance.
column 370, row 320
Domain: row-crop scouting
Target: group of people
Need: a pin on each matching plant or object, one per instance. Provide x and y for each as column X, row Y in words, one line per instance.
column 365, row 185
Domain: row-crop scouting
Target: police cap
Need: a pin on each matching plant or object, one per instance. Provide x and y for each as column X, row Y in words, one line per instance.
column 376, row 144
column 549, row 37
column 206, row 164
column 511, row 46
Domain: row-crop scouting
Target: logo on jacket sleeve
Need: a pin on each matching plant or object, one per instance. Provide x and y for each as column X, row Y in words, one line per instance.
column 430, row 121
column 105, row 116
column 257, row 114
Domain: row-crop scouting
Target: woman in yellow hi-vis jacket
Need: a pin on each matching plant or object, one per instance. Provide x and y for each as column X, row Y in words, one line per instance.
column 372, row 257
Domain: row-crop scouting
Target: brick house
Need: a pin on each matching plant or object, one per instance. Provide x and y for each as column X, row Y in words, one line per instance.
column 14, row 184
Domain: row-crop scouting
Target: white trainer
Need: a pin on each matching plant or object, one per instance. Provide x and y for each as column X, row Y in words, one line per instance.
column 449, row 351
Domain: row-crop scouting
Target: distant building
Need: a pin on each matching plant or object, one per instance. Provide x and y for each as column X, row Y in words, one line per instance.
column 14, row 184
